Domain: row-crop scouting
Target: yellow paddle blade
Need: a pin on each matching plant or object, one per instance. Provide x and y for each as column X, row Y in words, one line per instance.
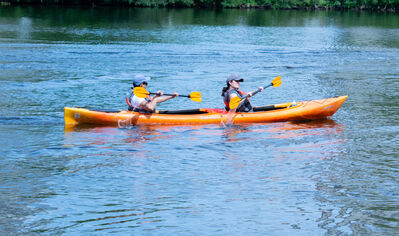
column 277, row 81
column 140, row 92
column 234, row 102
column 196, row 96
column 282, row 105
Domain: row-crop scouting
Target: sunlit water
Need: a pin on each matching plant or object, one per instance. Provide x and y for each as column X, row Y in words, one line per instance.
column 336, row 176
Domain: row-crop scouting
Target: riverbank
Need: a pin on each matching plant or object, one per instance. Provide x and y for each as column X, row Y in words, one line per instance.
column 359, row 5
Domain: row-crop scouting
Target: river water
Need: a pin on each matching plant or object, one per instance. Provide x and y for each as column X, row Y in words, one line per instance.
column 337, row 176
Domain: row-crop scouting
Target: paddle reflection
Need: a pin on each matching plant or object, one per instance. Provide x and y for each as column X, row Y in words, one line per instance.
column 231, row 133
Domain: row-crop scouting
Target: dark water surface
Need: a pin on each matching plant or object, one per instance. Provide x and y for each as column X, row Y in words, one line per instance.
column 336, row 176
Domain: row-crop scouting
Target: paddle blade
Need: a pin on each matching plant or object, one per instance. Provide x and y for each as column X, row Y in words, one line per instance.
column 234, row 102
column 277, row 81
column 196, row 96
column 140, row 92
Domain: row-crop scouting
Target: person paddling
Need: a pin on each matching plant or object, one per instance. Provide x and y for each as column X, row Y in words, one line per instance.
column 233, row 90
column 148, row 104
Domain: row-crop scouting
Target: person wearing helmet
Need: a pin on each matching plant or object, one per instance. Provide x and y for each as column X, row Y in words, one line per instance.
column 233, row 90
column 148, row 104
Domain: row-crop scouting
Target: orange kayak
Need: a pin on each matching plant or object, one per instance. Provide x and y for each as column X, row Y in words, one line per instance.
column 305, row 110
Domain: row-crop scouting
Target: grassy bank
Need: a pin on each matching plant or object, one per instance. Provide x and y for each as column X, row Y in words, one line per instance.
column 376, row 5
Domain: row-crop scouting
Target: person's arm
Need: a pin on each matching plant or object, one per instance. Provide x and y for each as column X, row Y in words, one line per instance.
column 250, row 93
column 160, row 99
column 150, row 106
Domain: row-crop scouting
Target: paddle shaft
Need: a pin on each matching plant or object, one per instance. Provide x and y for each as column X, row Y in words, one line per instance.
column 257, row 91
column 186, row 96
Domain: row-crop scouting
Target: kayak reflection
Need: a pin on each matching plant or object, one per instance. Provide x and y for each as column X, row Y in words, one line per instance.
column 105, row 134
column 135, row 136
column 282, row 130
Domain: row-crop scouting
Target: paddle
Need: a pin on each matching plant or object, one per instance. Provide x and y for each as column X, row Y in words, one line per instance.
column 143, row 93
column 235, row 101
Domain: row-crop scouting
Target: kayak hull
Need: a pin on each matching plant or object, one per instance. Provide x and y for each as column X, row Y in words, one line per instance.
column 306, row 110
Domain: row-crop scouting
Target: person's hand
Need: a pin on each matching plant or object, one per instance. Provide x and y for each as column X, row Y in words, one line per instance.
column 159, row 93
column 249, row 94
column 175, row 94
column 261, row 89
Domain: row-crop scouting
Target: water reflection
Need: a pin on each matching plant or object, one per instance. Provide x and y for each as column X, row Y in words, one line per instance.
column 304, row 140
column 149, row 18
column 282, row 130
column 147, row 25
column 137, row 135
column 130, row 134
column 306, row 128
